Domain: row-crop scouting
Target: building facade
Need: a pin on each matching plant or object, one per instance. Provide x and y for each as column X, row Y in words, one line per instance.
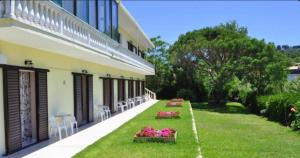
column 65, row 56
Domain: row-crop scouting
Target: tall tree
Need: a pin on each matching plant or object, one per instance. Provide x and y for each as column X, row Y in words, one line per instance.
column 215, row 52
column 163, row 81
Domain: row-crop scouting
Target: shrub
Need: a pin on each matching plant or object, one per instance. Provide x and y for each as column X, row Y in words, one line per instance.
column 186, row 94
column 278, row 106
column 296, row 122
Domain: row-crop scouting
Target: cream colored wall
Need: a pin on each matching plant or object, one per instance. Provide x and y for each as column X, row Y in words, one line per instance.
column 126, row 89
column 127, row 37
column 60, row 78
column 60, row 92
column 134, row 84
column 115, row 94
column 100, row 90
column 2, row 131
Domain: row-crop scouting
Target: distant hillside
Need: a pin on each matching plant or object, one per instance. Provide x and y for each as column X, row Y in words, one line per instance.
column 293, row 52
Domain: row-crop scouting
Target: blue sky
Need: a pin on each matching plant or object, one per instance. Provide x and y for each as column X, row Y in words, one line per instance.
column 274, row 21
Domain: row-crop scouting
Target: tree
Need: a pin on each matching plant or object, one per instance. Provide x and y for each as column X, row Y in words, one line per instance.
column 162, row 82
column 215, row 53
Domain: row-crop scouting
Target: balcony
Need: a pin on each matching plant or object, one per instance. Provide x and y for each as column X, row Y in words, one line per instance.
column 52, row 28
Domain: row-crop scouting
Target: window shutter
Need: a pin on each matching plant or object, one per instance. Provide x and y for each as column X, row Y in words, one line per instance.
column 90, row 98
column 77, row 98
column 42, row 105
column 143, row 87
column 12, row 110
column 112, row 95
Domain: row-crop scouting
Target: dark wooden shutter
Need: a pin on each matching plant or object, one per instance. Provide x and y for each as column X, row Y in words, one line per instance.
column 12, row 110
column 121, row 89
column 130, row 89
column 112, row 94
column 143, row 87
column 42, row 105
column 77, row 98
column 137, row 88
column 90, row 98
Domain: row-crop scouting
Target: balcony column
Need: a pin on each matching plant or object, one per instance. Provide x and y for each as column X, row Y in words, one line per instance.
column 42, row 21
column 31, row 11
column 18, row 10
column 36, row 12
column 25, row 9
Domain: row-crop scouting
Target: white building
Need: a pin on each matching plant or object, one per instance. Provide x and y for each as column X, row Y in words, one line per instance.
column 65, row 56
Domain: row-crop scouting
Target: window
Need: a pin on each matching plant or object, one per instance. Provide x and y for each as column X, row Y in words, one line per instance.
column 82, row 10
column 130, row 46
column 108, row 17
column 114, row 20
column 93, row 13
column 59, row 2
column 142, row 54
column 101, row 15
column 68, row 5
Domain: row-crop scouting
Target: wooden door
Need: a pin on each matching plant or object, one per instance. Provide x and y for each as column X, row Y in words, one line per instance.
column 108, row 93
column 12, row 116
column 121, row 90
column 83, row 98
column 13, row 135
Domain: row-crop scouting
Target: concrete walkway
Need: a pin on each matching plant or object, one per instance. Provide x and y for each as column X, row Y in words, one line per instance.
column 71, row 145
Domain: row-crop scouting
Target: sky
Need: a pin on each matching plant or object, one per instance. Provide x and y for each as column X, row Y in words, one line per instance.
column 274, row 21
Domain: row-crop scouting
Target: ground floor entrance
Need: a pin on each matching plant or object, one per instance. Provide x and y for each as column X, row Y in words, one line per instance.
column 25, row 106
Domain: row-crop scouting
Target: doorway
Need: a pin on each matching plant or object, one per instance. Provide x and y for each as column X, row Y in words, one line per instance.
column 108, row 93
column 28, row 113
column 83, row 98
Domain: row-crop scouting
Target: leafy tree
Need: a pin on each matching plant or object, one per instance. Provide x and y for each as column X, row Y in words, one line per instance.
column 162, row 82
column 219, row 53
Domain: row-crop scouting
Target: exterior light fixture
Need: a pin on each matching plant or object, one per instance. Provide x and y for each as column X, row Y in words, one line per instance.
column 84, row 71
column 28, row 63
column 108, row 75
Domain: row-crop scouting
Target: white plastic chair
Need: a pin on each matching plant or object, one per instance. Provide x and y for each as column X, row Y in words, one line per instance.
column 107, row 111
column 100, row 114
column 58, row 126
column 130, row 103
column 122, row 105
column 72, row 122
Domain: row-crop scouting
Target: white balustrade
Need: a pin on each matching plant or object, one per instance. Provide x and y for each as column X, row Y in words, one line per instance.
column 150, row 94
column 48, row 16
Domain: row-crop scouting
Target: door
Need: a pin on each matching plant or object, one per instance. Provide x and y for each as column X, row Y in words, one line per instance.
column 83, row 98
column 130, row 89
column 137, row 88
column 121, row 89
column 108, row 93
column 28, row 113
column 25, row 107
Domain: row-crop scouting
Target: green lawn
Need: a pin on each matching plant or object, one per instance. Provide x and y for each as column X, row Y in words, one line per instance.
column 231, row 132
column 119, row 144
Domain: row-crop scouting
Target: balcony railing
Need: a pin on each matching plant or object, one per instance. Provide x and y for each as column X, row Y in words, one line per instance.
column 47, row 16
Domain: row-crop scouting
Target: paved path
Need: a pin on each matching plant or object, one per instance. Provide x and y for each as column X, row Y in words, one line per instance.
column 69, row 146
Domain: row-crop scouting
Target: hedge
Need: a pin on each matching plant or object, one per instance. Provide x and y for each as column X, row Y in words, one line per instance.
column 278, row 106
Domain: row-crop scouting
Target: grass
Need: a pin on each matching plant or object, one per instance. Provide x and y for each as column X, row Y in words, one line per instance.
column 120, row 142
column 231, row 132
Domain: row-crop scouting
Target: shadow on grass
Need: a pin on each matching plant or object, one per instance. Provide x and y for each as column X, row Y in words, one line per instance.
column 230, row 107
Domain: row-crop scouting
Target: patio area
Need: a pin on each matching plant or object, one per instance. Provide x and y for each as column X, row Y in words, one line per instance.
column 86, row 136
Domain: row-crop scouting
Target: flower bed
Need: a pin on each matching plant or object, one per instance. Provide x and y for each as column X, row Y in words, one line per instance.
column 177, row 100
column 149, row 134
column 174, row 104
column 167, row 114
